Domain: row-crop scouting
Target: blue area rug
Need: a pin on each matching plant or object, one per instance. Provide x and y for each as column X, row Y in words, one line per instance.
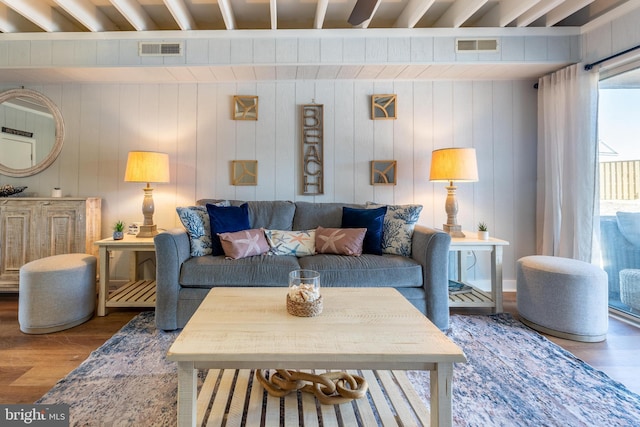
column 514, row 377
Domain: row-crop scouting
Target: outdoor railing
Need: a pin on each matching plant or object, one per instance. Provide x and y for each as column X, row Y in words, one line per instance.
column 620, row 180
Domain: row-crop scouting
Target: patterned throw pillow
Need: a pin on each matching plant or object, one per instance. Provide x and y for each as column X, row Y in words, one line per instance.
column 340, row 241
column 399, row 222
column 245, row 243
column 195, row 220
column 297, row 243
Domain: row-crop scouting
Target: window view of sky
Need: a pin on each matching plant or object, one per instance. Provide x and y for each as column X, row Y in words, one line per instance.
column 619, row 124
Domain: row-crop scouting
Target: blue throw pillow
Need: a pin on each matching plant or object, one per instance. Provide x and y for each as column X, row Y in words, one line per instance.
column 226, row 219
column 372, row 220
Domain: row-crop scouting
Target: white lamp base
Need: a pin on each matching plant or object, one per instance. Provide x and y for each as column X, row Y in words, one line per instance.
column 147, row 231
column 453, row 230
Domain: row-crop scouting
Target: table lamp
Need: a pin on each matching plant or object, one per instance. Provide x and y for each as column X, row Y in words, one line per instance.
column 147, row 166
column 451, row 165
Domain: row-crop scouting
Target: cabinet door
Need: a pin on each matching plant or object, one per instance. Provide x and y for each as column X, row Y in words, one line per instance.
column 62, row 226
column 17, row 239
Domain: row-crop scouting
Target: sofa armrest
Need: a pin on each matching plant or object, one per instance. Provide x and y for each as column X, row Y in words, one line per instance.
column 430, row 248
column 172, row 249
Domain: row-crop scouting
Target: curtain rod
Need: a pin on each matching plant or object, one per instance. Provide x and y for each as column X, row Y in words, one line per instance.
column 588, row 67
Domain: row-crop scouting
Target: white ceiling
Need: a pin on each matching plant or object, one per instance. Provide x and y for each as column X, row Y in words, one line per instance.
column 18, row 16
column 24, row 17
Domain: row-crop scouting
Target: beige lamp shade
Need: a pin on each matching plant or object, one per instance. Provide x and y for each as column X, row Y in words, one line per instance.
column 147, row 166
column 454, row 164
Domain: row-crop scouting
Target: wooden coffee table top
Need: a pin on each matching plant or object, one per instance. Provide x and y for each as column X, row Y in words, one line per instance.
column 359, row 328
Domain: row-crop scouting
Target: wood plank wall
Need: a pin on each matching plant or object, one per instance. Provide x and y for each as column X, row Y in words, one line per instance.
column 192, row 122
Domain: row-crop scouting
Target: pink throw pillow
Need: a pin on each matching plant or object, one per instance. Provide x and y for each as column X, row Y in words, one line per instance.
column 245, row 243
column 340, row 241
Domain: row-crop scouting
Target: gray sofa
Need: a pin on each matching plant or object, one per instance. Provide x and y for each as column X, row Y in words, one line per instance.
column 183, row 281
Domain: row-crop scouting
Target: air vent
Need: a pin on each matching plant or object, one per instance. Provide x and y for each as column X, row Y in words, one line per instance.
column 476, row 45
column 159, row 49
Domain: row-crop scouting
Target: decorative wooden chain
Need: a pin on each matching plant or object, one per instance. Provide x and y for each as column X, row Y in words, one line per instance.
column 331, row 388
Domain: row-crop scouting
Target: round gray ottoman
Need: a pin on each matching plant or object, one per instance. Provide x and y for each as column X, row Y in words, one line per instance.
column 630, row 288
column 56, row 293
column 563, row 297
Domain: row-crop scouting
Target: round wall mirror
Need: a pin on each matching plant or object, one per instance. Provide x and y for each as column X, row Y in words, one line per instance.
column 32, row 132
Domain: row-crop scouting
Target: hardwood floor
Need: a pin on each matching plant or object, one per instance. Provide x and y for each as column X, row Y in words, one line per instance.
column 31, row 364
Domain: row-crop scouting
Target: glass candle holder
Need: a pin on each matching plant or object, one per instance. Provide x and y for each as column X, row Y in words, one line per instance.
column 304, row 285
column 303, row 298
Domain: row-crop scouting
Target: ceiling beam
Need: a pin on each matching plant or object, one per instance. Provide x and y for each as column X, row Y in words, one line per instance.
column 567, row 8
column 503, row 13
column 273, row 8
column 412, row 13
column 459, row 12
column 88, row 15
column 321, row 12
column 536, row 12
column 366, row 23
column 41, row 14
column 227, row 14
column 135, row 14
column 181, row 14
column 6, row 23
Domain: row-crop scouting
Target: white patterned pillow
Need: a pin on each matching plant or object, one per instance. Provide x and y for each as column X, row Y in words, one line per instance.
column 298, row 243
column 399, row 222
column 195, row 220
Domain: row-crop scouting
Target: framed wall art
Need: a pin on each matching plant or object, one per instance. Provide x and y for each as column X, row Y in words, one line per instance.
column 312, row 149
column 384, row 107
column 383, row 172
column 245, row 107
column 244, row 172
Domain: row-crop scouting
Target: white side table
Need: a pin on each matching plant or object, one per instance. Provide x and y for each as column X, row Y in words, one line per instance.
column 478, row 298
column 134, row 293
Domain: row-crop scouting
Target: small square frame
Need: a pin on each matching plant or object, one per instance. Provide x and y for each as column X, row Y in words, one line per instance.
column 245, row 107
column 383, row 172
column 244, row 172
column 384, row 107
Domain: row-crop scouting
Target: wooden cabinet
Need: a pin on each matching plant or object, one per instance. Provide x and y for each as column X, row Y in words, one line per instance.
column 33, row 228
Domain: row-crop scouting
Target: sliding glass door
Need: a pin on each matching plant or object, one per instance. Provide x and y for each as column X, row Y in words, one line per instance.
column 619, row 182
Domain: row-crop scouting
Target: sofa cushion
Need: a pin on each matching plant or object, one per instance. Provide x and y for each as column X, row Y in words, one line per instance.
column 269, row 214
column 365, row 270
column 260, row 270
column 372, row 220
column 296, row 243
column 226, row 219
column 245, row 243
column 195, row 220
column 340, row 241
column 313, row 215
column 399, row 223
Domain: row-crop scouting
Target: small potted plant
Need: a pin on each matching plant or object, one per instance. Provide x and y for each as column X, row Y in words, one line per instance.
column 483, row 233
column 118, row 231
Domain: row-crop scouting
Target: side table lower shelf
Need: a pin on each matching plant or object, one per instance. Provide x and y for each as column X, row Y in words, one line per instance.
column 475, row 298
column 139, row 293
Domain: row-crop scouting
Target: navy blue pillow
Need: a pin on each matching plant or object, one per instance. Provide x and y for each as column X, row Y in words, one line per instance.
column 226, row 219
column 372, row 220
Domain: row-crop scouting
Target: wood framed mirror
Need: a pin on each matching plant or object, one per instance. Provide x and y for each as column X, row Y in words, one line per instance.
column 32, row 132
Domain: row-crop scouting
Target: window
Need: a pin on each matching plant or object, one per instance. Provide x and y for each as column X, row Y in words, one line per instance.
column 619, row 180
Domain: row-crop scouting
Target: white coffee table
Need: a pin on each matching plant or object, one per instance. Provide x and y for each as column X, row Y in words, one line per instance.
column 359, row 328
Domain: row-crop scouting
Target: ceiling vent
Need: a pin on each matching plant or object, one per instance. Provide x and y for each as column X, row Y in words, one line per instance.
column 159, row 49
column 476, row 45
